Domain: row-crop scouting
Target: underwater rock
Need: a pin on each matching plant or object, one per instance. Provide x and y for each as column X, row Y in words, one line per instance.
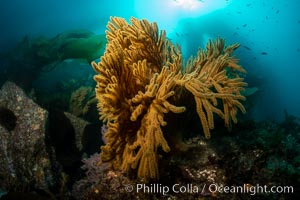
column 24, row 159
column 188, row 172
column 250, row 156
column 67, row 132
column 63, row 139
column 79, row 126
column 71, row 137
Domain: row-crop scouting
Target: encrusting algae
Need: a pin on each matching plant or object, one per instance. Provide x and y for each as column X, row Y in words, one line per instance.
column 140, row 74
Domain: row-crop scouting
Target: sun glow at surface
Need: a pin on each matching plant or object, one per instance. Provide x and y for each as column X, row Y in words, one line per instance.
column 187, row 4
column 169, row 12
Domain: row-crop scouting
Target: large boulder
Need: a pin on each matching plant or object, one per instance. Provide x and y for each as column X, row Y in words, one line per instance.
column 25, row 160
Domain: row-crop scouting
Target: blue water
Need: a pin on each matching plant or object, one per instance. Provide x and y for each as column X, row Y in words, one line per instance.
column 268, row 30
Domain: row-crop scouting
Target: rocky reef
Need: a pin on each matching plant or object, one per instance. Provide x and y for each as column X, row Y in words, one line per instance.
column 50, row 139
